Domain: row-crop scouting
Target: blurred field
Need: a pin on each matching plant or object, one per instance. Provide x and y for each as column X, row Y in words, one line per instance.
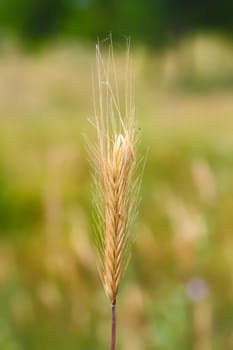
column 178, row 290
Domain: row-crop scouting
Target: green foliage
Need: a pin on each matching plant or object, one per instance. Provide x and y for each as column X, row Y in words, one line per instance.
column 171, row 320
column 154, row 23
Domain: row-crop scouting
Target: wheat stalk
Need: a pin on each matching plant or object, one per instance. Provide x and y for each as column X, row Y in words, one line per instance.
column 116, row 187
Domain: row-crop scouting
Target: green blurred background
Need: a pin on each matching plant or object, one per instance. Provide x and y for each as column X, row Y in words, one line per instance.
column 178, row 290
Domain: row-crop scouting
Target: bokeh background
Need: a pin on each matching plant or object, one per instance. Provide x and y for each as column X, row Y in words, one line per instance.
column 178, row 290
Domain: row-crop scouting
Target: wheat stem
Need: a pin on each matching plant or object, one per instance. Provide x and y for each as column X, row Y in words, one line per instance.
column 113, row 335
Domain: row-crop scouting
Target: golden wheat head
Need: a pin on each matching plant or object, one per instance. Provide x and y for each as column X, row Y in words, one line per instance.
column 115, row 162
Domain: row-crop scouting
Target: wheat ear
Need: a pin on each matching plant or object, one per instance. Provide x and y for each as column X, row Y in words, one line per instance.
column 115, row 163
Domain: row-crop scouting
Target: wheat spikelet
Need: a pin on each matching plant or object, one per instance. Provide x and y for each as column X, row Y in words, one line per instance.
column 115, row 163
column 117, row 176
